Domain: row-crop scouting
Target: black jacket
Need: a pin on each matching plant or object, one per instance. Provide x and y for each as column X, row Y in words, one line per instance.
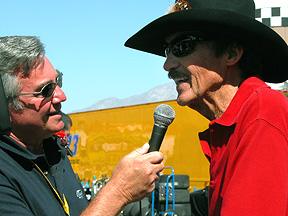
column 24, row 190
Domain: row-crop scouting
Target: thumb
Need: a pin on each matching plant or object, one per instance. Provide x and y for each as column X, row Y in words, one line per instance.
column 141, row 151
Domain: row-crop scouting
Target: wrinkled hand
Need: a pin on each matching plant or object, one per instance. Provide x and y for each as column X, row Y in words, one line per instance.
column 135, row 175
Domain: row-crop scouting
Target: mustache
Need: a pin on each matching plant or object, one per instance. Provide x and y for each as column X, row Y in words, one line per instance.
column 174, row 74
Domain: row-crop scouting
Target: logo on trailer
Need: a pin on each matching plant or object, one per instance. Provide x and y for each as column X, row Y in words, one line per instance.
column 73, row 140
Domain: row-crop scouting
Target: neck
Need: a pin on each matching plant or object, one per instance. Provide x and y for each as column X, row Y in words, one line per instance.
column 31, row 145
column 221, row 100
column 215, row 102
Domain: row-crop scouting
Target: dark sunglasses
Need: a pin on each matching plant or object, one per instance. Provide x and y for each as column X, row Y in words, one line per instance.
column 47, row 90
column 182, row 46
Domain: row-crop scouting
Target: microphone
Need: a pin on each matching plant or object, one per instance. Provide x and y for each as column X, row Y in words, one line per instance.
column 163, row 117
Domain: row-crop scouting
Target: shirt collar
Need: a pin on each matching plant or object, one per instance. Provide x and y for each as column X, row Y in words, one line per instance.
column 50, row 147
column 229, row 117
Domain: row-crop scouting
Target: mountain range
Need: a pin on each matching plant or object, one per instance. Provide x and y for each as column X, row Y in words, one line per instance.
column 156, row 94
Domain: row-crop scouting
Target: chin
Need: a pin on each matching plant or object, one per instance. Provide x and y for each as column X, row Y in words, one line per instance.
column 56, row 127
column 185, row 99
column 182, row 102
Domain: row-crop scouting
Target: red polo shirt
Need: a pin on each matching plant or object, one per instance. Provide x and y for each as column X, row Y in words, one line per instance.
column 248, row 150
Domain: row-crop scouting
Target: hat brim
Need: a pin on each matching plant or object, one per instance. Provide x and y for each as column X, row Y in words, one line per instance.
column 263, row 39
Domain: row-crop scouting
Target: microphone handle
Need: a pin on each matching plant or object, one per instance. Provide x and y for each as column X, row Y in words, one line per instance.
column 157, row 136
column 68, row 151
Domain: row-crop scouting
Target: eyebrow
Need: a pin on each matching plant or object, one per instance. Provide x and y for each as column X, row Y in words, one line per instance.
column 39, row 87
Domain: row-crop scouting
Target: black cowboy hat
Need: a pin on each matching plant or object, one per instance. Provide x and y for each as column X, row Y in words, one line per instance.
column 233, row 18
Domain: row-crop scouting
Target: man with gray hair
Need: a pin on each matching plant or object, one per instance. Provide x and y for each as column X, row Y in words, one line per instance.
column 36, row 177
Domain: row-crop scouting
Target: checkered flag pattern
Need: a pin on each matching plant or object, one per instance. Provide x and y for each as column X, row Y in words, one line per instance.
column 273, row 16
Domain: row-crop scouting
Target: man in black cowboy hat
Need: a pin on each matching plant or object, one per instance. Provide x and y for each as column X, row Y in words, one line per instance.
column 220, row 58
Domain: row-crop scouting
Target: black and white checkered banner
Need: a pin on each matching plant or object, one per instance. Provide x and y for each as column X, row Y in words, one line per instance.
column 273, row 16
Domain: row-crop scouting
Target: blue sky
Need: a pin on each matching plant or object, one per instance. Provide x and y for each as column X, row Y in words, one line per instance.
column 85, row 40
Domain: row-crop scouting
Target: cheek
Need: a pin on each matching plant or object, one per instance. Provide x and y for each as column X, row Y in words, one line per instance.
column 197, row 76
column 33, row 112
column 24, row 118
column 203, row 79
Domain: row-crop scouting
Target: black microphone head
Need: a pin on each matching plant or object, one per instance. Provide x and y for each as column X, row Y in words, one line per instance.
column 164, row 114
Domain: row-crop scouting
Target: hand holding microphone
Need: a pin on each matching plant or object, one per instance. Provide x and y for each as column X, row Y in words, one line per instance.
column 135, row 175
column 163, row 117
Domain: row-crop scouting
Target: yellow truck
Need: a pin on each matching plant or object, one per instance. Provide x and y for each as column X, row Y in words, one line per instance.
column 99, row 139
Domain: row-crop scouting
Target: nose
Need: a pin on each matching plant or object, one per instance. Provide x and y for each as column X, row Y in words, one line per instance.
column 58, row 96
column 171, row 62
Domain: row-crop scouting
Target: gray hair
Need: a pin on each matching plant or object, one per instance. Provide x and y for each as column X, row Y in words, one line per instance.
column 18, row 55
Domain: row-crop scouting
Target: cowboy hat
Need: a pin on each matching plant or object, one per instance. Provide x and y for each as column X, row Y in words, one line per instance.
column 232, row 19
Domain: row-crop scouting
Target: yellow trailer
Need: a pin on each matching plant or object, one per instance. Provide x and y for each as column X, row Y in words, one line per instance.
column 99, row 139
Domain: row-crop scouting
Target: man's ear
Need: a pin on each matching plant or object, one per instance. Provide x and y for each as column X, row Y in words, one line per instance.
column 235, row 53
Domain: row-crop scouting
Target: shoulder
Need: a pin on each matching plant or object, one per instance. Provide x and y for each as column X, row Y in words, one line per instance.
column 271, row 104
column 267, row 105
